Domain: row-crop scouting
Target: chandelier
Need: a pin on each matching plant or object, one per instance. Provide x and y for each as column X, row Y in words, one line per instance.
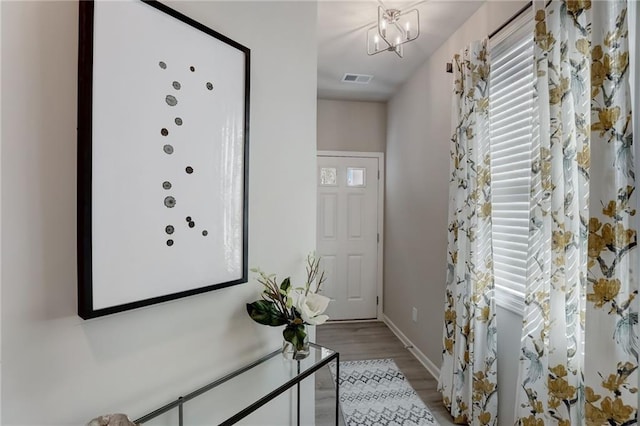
column 393, row 29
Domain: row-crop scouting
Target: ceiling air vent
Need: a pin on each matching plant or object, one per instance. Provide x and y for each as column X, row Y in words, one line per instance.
column 357, row 78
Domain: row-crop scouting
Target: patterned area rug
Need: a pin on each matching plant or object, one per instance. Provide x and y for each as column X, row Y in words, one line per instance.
column 375, row 393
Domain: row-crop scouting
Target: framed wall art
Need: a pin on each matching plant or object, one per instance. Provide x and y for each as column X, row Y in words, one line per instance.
column 163, row 128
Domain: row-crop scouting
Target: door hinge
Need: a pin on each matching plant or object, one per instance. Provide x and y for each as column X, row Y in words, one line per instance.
column 377, row 300
column 378, row 174
column 378, row 237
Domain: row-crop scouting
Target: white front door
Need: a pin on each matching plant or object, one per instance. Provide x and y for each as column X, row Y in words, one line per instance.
column 347, row 234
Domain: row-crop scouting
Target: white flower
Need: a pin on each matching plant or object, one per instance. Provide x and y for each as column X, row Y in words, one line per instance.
column 311, row 307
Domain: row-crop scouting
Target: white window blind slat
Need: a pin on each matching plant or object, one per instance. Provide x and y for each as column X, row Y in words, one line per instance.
column 512, row 159
column 504, row 52
column 510, row 118
column 515, row 262
column 513, row 222
column 508, row 149
column 511, row 216
column 507, row 106
column 500, row 173
column 513, row 187
column 512, row 81
column 507, row 136
column 504, row 199
column 513, row 123
column 517, row 117
column 505, row 166
column 513, row 278
column 507, row 231
column 506, row 185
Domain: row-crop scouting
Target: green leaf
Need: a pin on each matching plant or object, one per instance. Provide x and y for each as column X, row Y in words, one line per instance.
column 286, row 284
column 295, row 335
column 265, row 312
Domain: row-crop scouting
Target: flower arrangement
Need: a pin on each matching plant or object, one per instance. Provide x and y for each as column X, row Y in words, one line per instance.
column 293, row 307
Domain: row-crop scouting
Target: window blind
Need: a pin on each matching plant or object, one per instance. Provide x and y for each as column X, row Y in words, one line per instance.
column 511, row 112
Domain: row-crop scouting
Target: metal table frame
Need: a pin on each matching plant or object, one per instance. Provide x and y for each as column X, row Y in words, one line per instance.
column 179, row 402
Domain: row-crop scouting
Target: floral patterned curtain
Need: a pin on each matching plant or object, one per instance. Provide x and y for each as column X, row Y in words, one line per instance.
column 579, row 343
column 468, row 376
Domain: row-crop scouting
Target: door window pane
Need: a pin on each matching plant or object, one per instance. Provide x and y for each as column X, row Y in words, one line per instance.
column 328, row 176
column 355, row 176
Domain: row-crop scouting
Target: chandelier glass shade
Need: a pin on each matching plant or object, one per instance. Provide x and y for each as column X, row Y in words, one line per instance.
column 393, row 29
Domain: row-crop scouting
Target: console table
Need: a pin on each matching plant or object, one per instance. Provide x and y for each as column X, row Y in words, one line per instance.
column 282, row 373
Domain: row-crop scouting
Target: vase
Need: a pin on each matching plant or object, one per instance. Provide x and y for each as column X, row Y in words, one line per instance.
column 293, row 352
column 296, row 341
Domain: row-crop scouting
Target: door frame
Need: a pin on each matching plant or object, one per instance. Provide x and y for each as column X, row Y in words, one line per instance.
column 380, row 248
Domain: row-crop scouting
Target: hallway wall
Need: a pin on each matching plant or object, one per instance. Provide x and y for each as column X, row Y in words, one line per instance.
column 352, row 126
column 418, row 137
column 60, row 370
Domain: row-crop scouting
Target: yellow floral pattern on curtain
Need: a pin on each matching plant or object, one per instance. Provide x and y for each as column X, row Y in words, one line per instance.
column 611, row 353
column 468, row 376
column 579, row 344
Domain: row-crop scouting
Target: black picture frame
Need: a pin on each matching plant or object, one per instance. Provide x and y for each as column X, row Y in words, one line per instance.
column 95, row 225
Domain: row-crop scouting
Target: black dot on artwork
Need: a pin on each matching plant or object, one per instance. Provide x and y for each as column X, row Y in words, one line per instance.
column 205, row 233
column 189, row 169
column 169, row 243
column 209, row 85
column 188, row 218
column 176, row 85
column 170, row 202
column 169, row 229
column 171, row 100
column 164, row 132
column 192, row 68
column 168, row 149
column 192, row 224
column 178, row 121
column 162, row 65
column 166, row 184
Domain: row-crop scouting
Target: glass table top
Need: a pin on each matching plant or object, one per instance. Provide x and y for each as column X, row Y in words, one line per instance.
column 222, row 399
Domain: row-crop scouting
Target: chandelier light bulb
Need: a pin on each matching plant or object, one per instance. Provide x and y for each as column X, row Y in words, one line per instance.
column 393, row 29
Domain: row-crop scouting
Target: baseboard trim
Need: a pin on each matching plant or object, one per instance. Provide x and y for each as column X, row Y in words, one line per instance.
column 420, row 356
column 356, row 321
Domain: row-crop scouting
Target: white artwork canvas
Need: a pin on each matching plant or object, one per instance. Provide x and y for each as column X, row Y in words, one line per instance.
column 162, row 157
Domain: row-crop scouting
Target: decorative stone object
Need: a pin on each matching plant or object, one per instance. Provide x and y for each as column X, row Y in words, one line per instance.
column 117, row 419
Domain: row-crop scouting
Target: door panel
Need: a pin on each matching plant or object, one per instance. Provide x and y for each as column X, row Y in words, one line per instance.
column 348, row 234
column 329, row 216
column 329, row 268
column 354, row 278
column 355, row 213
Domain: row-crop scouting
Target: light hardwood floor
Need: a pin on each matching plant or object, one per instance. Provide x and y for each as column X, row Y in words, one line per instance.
column 372, row 340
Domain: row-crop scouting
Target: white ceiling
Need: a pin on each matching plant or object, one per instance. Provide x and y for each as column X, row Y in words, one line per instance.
column 342, row 38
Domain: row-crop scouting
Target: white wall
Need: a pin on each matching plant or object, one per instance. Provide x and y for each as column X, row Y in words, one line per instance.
column 419, row 132
column 0, row 234
column 352, row 126
column 60, row 370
